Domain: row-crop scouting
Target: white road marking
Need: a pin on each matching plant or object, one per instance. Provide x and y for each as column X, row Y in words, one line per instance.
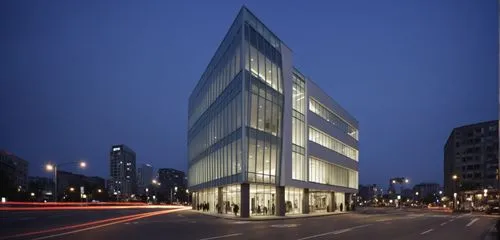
column 451, row 220
column 442, row 224
column 334, row 232
column 223, row 236
column 384, row 220
column 472, row 222
column 428, row 231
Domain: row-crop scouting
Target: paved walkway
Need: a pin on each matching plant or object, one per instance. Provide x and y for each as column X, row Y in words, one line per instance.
column 266, row 218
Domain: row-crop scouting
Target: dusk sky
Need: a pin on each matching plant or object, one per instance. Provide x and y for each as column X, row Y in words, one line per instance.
column 79, row 76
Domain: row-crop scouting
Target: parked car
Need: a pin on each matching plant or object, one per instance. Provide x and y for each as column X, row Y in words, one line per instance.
column 493, row 208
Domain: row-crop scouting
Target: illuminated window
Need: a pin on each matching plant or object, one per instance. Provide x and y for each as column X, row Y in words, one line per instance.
column 331, row 117
column 331, row 143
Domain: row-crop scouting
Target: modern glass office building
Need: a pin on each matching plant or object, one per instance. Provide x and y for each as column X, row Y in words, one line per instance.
column 264, row 137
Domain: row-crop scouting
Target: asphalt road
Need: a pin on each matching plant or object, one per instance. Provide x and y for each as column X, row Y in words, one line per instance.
column 367, row 224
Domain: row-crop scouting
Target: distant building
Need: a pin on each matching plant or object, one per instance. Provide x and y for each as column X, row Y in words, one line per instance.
column 144, row 177
column 43, row 187
column 407, row 193
column 471, row 153
column 170, row 179
column 426, row 189
column 369, row 192
column 67, row 180
column 122, row 169
column 17, row 169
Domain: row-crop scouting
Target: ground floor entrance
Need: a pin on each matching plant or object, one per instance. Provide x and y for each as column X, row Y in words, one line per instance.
column 249, row 200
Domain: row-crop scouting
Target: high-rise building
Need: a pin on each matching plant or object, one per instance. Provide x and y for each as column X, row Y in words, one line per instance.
column 144, row 177
column 471, row 155
column 122, row 171
column 173, row 185
column 264, row 137
column 19, row 169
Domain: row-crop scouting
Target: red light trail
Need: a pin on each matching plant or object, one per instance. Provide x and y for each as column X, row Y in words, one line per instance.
column 95, row 224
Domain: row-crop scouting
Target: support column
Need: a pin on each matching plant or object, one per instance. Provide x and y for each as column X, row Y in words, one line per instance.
column 218, row 206
column 305, row 201
column 280, row 201
column 194, row 200
column 245, row 200
column 332, row 203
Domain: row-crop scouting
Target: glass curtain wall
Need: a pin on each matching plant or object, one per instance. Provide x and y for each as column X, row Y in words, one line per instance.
column 340, row 199
column 207, row 200
column 262, row 200
column 319, row 201
column 265, row 104
column 299, row 164
column 332, row 118
column 331, row 174
column 331, row 143
column 215, row 117
column 231, row 197
column 293, row 200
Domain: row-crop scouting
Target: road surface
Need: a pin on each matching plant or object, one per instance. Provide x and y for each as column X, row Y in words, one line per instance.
column 187, row 224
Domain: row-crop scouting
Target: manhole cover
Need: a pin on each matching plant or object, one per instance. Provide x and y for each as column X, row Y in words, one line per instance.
column 284, row 225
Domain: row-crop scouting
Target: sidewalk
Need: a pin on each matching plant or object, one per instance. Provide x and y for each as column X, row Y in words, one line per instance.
column 268, row 218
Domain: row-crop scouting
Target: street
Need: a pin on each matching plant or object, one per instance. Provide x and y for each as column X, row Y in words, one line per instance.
column 187, row 224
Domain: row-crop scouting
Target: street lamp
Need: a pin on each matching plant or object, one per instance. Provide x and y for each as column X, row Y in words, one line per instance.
column 455, row 200
column 53, row 167
column 32, row 194
column 71, row 189
column 440, row 192
column 99, row 190
column 406, row 180
column 485, row 192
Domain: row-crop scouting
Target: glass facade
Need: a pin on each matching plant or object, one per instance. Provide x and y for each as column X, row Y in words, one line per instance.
column 332, row 118
column 207, row 197
column 230, row 197
column 262, row 199
column 293, row 200
column 299, row 164
column 331, row 143
column 215, row 115
column 262, row 60
column 319, row 201
column 265, row 106
column 327, row 173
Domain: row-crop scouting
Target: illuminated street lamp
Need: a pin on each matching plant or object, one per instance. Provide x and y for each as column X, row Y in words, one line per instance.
column 440, row 192
column 99, row 190
column 71, row 189
column 53, row 167
column 485, row 192
column 454, row 177
column 406, row 180
column 32, row 194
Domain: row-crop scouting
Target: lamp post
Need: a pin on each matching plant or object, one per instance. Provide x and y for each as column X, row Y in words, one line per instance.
column 455, row 178
column 53, row 167
column 171, row 194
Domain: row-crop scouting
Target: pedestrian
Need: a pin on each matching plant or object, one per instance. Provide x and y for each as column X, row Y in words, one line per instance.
column 236, row 209
column 341, row 207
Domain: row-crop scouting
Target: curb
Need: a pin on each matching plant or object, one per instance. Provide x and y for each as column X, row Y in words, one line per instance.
column 272, row 218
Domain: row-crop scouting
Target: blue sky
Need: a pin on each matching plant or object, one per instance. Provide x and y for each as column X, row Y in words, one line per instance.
column 79, row 76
